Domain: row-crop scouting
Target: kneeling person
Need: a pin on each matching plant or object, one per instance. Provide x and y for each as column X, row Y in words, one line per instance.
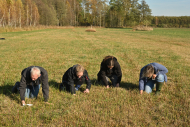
column 151, row 74
column 75, row 75
column 31, row 79
column 110, row 69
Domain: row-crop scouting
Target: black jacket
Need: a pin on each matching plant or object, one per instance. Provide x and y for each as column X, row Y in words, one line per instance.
column 26, row 80
column 71, row 78
column 105, row 71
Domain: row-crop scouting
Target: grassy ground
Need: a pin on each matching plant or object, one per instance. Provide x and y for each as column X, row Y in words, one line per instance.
column 58, row 49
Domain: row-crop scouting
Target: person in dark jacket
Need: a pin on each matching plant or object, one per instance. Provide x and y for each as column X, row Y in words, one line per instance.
column 110, row 69
column 31, row 79
column 75, row 75
column 151, row 74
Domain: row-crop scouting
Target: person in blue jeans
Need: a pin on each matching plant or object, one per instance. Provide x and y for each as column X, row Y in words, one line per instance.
column 151, row 74
column 31, row 80
column 73, row 78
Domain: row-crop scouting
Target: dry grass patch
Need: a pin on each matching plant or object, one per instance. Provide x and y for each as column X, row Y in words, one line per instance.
column 90, row 30
column 142, row 28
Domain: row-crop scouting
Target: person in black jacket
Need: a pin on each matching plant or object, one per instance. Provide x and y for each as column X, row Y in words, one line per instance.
column 75, row 75
column 31, row 79
column 110, row 69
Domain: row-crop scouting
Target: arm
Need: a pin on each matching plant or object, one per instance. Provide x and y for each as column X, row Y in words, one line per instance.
column 141, row 82
column 87, row 79
column 162, row 69
column 71, row 82
column 119, row 73
column 45, row 87
column 103, row 74
column 22, row 88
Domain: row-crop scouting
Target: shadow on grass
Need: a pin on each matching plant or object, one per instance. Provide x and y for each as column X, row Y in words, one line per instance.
column 128, row 86
column 54, row 84
column 125, row 85
column 6, row 89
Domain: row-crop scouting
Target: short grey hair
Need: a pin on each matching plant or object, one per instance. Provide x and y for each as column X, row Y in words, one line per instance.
column 35, row 70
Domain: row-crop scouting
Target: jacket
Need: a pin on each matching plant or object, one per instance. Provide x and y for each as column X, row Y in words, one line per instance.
column 26, row 80
column 105, row 71
column 158, row 69
column 71, row 78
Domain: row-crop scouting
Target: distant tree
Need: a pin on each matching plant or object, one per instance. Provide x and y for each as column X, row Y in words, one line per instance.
column 145, row 12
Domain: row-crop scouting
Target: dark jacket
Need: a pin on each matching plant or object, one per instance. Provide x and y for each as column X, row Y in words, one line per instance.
column 71, row 78
column 158, row 69
column 26, row 80
column 105, row 71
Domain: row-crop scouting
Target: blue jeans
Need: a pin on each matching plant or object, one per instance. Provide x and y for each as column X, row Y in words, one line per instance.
column 32, row 91
column 150, row 84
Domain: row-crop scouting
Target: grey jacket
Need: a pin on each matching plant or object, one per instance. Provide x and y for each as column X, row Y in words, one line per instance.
column 26, row 80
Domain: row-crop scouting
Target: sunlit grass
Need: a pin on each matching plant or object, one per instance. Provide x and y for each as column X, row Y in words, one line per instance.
column 58, row 49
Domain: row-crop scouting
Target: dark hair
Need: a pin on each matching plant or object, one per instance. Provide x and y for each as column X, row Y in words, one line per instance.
column 109, row 60
column 149, row 69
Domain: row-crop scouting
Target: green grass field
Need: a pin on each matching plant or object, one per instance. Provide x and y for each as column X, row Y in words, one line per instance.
column 58, row 49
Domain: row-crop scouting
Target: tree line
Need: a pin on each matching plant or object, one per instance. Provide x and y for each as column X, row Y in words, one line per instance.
column 103, row 13
column 168, row 22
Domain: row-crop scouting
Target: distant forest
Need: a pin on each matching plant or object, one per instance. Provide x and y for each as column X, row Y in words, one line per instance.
column 103, row 13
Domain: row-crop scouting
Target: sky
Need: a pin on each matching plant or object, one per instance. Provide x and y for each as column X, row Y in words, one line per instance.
column 169, row 7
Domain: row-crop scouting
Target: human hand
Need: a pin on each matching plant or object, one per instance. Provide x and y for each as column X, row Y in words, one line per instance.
column 154, row 76
column 86, row 91
column 141, row 91
column 107, row 86
column 23, row 102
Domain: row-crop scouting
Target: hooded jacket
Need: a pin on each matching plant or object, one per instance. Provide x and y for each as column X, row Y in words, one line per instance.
column 71, row 78
column 105, row 71
column 158, row 69
column 26, row 80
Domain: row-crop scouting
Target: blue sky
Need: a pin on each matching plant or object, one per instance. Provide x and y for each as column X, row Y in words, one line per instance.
column 169, row 7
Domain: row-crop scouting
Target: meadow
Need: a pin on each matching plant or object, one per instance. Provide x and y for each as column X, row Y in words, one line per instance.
column 58, row 49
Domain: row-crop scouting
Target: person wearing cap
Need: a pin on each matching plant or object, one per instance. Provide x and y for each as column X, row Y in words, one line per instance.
column 151, row 74
column 31, row 80
column 110, row 69
column 73, row 78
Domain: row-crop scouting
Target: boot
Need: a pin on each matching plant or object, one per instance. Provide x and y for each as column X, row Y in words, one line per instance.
column 16, row 87
column 158, row 87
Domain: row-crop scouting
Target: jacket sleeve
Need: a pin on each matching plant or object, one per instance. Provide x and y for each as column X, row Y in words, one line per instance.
column 71, row 82
column 87, row 79
column 103, row 73
column 119, row 73
column 141, row 81
column 161, row 69
column 45, row 87
column 22, row 87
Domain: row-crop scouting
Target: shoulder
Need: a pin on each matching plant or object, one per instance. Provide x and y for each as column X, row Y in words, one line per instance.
column 26, row 70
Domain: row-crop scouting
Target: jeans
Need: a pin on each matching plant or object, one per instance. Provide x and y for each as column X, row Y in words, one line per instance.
column 77, row 87
column 32, row 91
column 150, row 84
